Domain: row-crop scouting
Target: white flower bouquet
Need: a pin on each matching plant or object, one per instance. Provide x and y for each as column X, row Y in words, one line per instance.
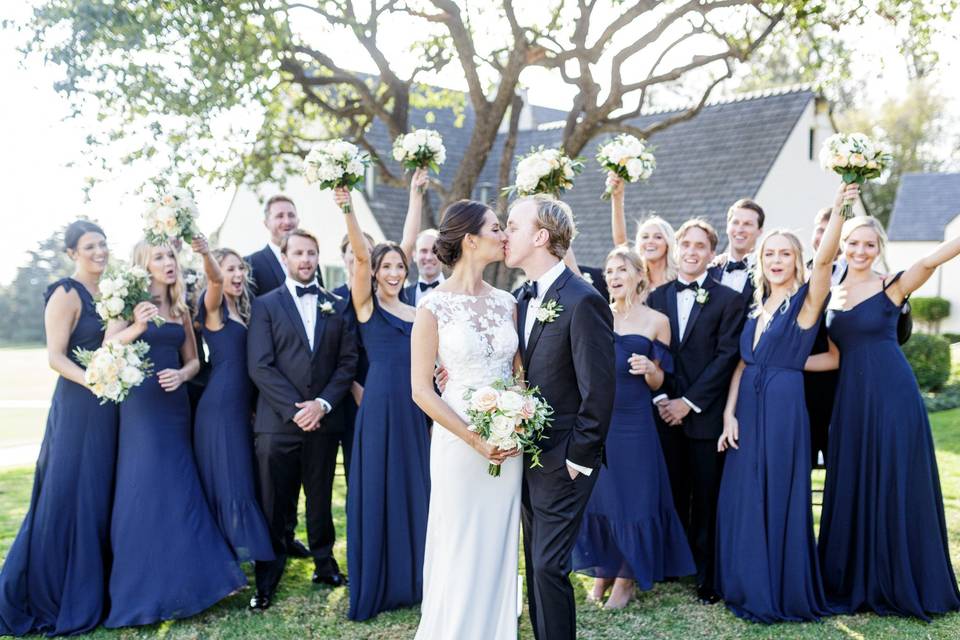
column 545, row 171
column 173, row 215
column 510, row 417
column 336, row 163
column 114, row 369
column 420, row 148
column 628, row 157
column 121, row 289
column 855, row 157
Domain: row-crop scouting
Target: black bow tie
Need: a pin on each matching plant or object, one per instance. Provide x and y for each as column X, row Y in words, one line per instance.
column 692, row 286
column 424, row 286
column 736, row 265
column 528, row 291
column 312, row 289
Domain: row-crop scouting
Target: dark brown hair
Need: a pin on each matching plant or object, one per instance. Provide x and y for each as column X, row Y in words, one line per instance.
column 76, row 230
column 461, row 218
column 300, row 233
column 379, row 253
column 346, row 241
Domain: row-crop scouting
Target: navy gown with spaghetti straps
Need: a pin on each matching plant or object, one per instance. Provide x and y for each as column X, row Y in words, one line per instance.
column 883, row 537
column 170, row 559
column 767, row 568
column 630, row 528
column 223, row 440
column 389, row 482
column 54, row 579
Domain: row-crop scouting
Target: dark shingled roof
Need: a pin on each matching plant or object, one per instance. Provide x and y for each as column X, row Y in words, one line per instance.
column 925, row 204
column 703, row 165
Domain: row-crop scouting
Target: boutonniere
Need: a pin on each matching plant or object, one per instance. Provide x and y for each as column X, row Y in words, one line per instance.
column 549, row 311
column 326, row 308
column 703, row 296
column 586, row 276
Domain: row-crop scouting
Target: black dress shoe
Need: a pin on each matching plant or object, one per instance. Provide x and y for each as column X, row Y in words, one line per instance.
column 333, row 580
column 297, row 549
column 260, row 602
column 706, row 595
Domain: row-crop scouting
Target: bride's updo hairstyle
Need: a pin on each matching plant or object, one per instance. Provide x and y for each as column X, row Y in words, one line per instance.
column 461, row 218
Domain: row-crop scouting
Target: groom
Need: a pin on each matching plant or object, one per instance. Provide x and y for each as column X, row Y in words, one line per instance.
column 566, row 341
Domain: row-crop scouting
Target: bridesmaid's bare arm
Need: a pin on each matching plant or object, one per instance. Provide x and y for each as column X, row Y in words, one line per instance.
column 59, row 319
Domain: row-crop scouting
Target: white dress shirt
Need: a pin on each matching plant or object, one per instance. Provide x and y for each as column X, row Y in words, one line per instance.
column 307, row 306
column 685, row 301
column 276, row 254
column 422, row 294
column 737, row 280
column 544, row 283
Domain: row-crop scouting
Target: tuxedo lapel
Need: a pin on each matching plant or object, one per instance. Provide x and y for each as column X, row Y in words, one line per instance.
column 521, row 324
column 553, row 293
column 275, row 267
column 290, row 306
column 321, row 324
column 695, row 310
column 673, row 314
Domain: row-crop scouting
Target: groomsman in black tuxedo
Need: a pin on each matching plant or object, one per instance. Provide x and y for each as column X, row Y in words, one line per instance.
column 732, row 268
column 705, row 321
column 302, row 356
column 429, row 272
column 266, row 266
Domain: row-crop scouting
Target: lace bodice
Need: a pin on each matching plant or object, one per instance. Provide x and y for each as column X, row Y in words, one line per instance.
column 478, row 339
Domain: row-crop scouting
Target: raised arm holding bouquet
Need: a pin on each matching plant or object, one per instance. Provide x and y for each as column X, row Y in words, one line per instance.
column 856, row 158
column 336, row 164
column 626, row 156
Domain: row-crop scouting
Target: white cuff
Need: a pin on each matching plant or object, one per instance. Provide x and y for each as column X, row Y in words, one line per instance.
column 328, row 408
column 660, row 397
column 584, row 470
column 695, row 408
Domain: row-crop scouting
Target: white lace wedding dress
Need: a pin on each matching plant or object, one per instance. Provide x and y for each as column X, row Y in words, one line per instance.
column 473, row 528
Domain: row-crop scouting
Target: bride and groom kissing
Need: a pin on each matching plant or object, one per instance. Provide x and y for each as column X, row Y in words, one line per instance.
column 480, row 335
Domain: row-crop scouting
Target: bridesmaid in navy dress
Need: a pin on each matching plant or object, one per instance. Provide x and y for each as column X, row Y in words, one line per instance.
column 631, row 534
column 222, row 432
column 767, row 568
column 655, row 242
column 170, row 559
column 390, row 475
column 54, row 580
column 883, row 539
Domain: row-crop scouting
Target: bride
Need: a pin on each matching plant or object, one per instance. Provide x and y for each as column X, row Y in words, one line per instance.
column 470, row 566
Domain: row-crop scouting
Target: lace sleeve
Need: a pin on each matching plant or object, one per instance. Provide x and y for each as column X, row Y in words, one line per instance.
column 434, row 303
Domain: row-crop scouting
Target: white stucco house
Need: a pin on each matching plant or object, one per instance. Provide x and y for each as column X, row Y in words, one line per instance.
column 762, row 146
column 926, row 212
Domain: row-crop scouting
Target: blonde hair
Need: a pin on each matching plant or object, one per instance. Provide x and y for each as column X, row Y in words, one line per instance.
column 670, row 271
column 243, row 302
column 631, row 257
column 176, row 293
column 703, row 225
column 760, row 282
column 556, row 217
column 858, row 222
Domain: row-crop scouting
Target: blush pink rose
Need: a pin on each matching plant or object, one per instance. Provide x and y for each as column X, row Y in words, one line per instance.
column 485, row 399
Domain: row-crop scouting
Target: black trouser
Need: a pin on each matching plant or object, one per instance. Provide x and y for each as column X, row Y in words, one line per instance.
column 695, row 469
column 284, row 462
column 553, row 507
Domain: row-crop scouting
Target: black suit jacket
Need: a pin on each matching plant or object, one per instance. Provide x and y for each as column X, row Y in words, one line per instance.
column 284, row 369
column 266, row 273
column 747, row 294
column 571, row 361
column 599, row 282
column 705, row 357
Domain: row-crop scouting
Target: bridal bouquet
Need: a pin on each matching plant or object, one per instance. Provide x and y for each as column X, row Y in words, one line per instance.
column 173, row 215
column 510, row 417
column 114, row 369
column 420, row 148
column 545, row 171
column 122, row 289
column 628, row 157
column 336, row 163
column 855, row 157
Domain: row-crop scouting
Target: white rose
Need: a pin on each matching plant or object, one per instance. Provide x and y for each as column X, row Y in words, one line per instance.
column 502, row 429
column 527, row 182
column 166, row 213
column 310, row 172
column 410, row 145
column 133, row 359
column 112, row 390
column 635, row 168
column 398, row 153
column 858, row 160
column 510, row 403
column 131, row 376
column 114, row 306
column 107, row 287
column 568, row 172
column 440, row 156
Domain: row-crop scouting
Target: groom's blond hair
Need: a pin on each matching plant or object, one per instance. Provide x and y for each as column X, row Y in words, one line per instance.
column 556, row 217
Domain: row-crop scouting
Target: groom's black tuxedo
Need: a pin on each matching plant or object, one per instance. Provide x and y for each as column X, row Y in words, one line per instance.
column 704, row 358
column 286, row 371
column 266, row 272
column 571, row 360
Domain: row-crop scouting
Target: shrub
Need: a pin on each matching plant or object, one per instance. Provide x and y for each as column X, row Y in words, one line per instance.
column 929, row 356
column 930, row 311
column 951, row 337
column 946, row 398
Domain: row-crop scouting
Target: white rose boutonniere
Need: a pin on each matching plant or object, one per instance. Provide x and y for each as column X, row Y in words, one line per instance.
column 586, row 276
column 703, row 296
column 326, row 308
column 549, row 311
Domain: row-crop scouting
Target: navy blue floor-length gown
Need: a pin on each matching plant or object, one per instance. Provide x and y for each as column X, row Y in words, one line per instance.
column 389, row 483
column 631, row 528
column 883, row 538
column 223, row 440
column 767, row 568
column 54, row 579
column 170, row 559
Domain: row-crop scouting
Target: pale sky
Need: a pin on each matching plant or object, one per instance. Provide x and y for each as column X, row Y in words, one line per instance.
column 43, row 160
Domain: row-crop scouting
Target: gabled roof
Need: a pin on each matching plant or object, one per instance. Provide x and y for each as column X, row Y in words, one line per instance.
column 925, row 204
column 703, row 165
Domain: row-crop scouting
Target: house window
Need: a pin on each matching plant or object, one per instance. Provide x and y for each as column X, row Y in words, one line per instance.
column 483, row 192
column 333, row 276
column 811, row 141
column 370, row 181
